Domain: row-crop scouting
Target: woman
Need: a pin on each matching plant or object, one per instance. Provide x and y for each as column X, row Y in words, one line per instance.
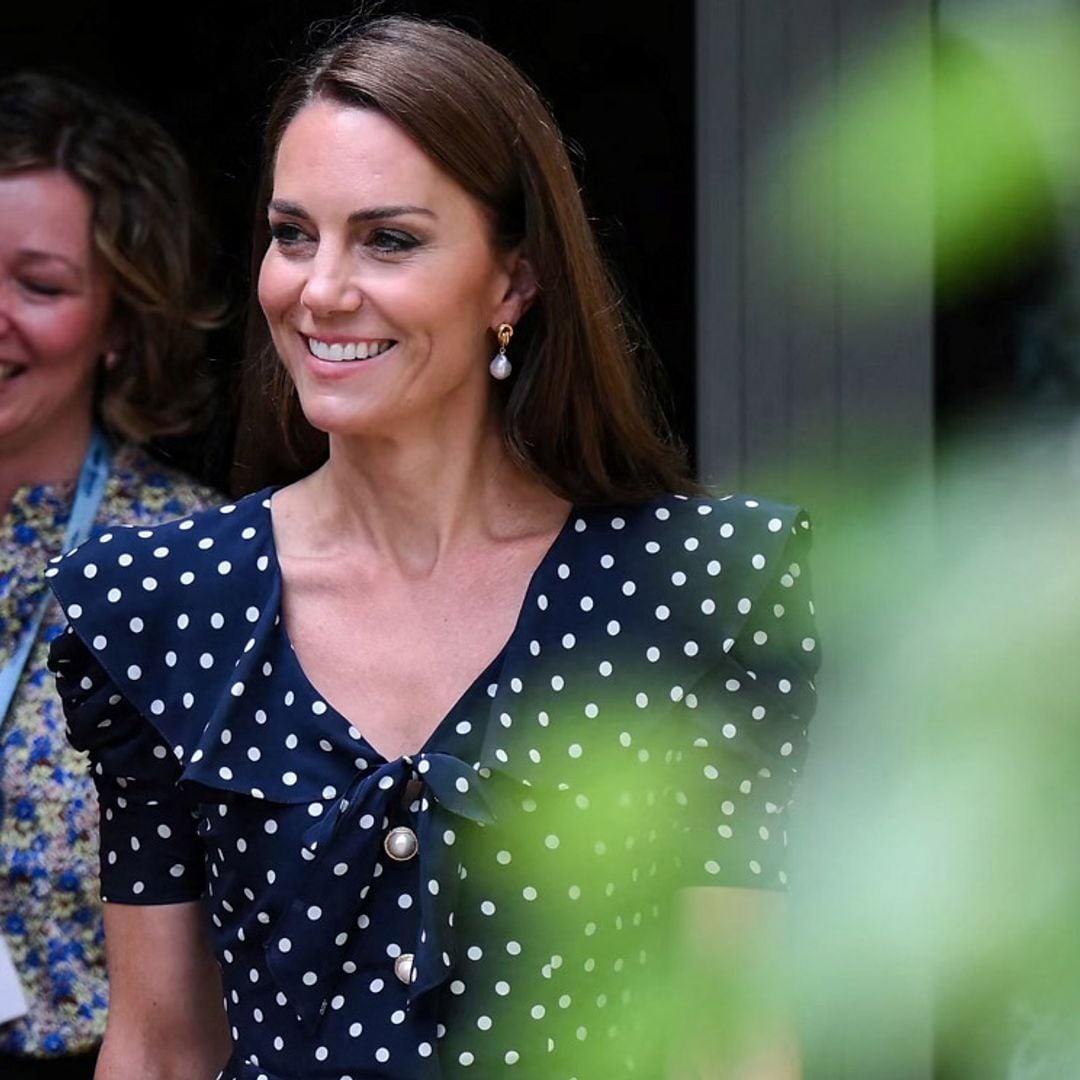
column 457, row 713
column 100, row 328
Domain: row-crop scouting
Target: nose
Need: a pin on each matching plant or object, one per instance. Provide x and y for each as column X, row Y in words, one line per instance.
column 331, row 287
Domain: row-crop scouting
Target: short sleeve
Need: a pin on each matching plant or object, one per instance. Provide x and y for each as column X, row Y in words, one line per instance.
column 150, row 853
column 745, row 734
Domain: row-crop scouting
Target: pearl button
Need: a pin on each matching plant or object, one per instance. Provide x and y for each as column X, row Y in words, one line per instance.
column 400, row 844
column 403, row 967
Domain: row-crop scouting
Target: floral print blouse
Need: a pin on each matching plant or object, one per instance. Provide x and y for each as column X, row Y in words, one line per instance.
column 50, row 915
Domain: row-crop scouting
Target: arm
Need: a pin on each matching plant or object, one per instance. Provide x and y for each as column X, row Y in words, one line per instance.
column 731, row 949
column 166, row 1019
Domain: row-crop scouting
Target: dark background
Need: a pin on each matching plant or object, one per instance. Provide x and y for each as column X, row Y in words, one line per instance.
column 619, row 80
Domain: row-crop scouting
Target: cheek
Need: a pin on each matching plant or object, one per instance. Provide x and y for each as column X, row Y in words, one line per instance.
column 276, row 287
column 70, row 334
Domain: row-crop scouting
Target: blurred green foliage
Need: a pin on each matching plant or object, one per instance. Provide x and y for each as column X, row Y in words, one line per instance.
column 935, row 145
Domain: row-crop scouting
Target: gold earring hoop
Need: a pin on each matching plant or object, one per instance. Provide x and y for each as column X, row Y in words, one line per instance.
column 500, row 366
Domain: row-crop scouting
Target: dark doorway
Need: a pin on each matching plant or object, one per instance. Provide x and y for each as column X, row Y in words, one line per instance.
column 620, row 81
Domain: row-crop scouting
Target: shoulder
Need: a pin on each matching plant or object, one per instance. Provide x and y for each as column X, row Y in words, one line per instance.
column 143, row 490
column 127, row 563
column 171, row 609
column 672, row 526
column 212, row 557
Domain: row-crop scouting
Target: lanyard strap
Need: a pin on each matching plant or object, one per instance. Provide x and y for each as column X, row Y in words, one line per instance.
column 88, row 495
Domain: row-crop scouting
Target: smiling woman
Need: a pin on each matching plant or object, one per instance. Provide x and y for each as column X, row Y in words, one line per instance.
column 381, row 283
column 100, row 328
column 442, row 728
column 56, row 321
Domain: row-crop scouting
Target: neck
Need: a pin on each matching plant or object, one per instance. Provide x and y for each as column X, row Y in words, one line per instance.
column 55, row 458
column 411, row 500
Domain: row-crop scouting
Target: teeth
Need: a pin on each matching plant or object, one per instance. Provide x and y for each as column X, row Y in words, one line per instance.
column 7, row 370
column 354, row 350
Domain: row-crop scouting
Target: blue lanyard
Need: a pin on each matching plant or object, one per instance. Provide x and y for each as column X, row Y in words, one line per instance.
column 88, row 495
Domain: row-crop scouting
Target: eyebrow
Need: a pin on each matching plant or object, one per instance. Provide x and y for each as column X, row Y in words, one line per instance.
column 374, row 213
column 32, row 254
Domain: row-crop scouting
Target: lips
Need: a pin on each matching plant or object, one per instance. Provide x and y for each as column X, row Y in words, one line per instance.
column 9, row 370
column 340, row 351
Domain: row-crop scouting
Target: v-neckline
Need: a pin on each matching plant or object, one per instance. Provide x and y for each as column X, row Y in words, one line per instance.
column 338, row 725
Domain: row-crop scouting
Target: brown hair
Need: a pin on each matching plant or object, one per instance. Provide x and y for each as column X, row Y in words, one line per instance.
column 145, row 230
column 578, row 412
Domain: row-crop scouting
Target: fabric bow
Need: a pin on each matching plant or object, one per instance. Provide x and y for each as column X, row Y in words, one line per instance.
column 323, row 914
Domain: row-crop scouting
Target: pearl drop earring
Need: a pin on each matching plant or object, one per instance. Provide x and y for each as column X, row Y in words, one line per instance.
column 500, row 366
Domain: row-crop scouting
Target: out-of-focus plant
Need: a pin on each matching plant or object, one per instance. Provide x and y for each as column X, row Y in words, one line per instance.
column 940, row 884
column 936, row 881
column 931, row 146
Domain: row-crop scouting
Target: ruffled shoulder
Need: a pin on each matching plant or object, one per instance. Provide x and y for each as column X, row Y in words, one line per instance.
column 181, row 618
column 660, row 600
column 727, row 549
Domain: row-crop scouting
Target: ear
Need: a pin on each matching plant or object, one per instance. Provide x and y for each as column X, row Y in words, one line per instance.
column 115, row 335
column 521, row 291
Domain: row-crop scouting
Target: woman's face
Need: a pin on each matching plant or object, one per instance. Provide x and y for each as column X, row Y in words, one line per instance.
column 55, row 301
column 381, row 283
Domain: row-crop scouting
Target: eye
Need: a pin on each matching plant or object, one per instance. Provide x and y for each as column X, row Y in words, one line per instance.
column 41, row 288
column 392, row 241
column 286, row 234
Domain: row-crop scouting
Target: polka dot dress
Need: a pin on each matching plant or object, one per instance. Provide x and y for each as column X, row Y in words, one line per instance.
column 490, row 905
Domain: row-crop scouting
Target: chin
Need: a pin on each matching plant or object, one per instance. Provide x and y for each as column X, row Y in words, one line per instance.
column 343, row 422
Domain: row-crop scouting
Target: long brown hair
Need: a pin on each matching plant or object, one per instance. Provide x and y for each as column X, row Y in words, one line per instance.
column 144, row 228
column 580, row 411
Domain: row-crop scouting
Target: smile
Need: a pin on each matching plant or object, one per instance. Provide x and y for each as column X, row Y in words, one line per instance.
column 353, row 350
column 9, row 371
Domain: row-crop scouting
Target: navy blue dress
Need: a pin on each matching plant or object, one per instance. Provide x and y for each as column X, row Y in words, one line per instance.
column 491, row 904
